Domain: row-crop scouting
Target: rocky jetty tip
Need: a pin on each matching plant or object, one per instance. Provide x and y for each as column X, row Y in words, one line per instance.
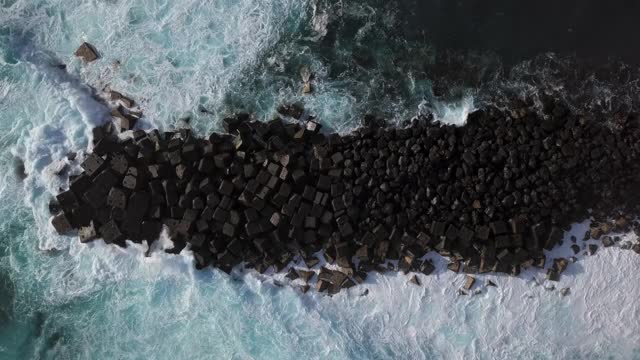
column 491, row 195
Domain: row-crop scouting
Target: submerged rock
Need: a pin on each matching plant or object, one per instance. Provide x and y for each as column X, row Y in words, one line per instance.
column 19, row 169
column 490, row 283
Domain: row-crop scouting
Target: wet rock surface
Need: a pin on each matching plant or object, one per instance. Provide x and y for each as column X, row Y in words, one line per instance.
column 490, row 195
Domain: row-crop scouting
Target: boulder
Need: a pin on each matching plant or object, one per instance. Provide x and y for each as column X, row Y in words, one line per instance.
column 553, row 275
column 322, row 285
column 87, row 233
column 67, row 200
column 110, row 232
column 415, row 280
column 93, row 165
column 454, row 266
column 62, row 224
column 607, row 241
column 468, row 282
column 87, row 52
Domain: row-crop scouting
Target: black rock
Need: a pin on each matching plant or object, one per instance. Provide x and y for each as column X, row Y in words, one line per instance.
column 111, row 233
column 93, row 164
column 67, row 200
column 62, row 224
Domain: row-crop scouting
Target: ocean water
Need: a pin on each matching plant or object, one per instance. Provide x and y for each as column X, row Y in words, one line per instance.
column 60, row 299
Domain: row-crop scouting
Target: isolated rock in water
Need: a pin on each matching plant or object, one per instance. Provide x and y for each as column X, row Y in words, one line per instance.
column 565, row 291
column 491, row 283
column 125, row 100
column 87, row 52
column 305, row 73
column 414, row 280
column 636, row 248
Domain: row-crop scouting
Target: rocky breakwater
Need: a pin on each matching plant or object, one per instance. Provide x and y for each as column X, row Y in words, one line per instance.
column 490, row 195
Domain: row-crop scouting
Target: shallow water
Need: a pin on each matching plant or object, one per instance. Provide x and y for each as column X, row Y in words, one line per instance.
column 65, row 300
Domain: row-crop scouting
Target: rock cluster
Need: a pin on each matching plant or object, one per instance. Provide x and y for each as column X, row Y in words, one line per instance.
column 491, row 195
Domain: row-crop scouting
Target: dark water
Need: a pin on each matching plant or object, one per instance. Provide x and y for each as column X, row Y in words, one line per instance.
column 399, row 58
column 594, row 30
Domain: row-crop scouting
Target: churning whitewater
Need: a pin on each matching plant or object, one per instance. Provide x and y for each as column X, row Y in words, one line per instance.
column 188, row 63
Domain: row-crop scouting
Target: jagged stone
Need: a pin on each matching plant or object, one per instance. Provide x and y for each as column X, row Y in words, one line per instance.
column 87, row 52
column 415, row 280
column 62, row 224
column 468, row 282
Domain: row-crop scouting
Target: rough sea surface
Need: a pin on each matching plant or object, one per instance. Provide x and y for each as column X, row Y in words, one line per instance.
column 60, row 299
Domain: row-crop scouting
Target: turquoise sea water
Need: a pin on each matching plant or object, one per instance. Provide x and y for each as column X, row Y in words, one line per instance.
column 60, row 299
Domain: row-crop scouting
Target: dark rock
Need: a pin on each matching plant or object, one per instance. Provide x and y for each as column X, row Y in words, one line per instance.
column 414, row 280
column 468, row 282
column 322, row 285
column 553, row 275
column 499, row 227
column 87, row 52
column 111, row 233
column 62, row 224
column 454, row 266
column 93, row 164
column 575, row 248
column 117, row 198
column 67, row 200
